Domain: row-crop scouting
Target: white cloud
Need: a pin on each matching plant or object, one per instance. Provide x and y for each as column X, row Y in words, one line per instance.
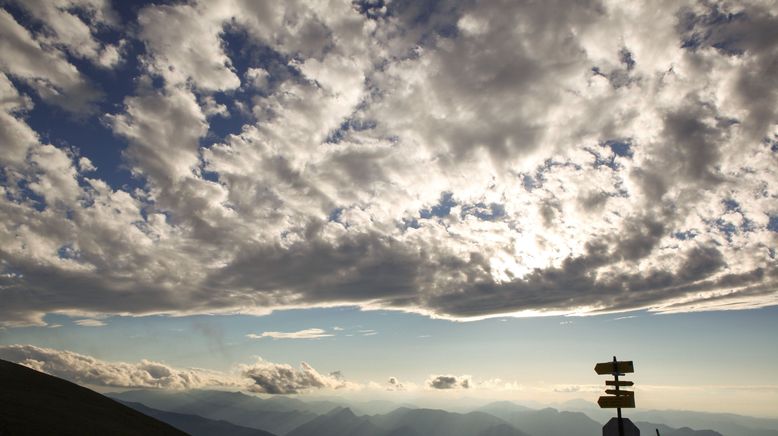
column 261, row 376
column 84, row 369
column 185, row 45
column 46, row 70
column 89, row 322
column 257, row 77
column 17, row 137
column 302, row 334
column 211, row 107
column 64, row 26
column 274, row 378
column 394, row 384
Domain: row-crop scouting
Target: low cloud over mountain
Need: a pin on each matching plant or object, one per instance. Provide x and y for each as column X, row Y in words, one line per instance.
column 273, row 378
column 262, row 376
column 449, row 382
column 84, row 369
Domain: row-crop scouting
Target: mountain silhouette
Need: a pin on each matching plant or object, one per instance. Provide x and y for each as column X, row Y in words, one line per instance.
column 34, row 403
column 547, row 422
column 197, row 425
column 728, row 424
column 340, row 421
column 237, row 408
column 433, row 422
column 664, row 430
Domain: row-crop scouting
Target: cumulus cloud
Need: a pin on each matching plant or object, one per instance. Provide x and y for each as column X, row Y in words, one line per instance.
column 393, row 384
column 302, row 334
column 84, row 369
column 260, row 377
column 453, row 160
column 72, row 24
column 257, row 77
column 44, row 69
column 449, row 382
column 274, row 378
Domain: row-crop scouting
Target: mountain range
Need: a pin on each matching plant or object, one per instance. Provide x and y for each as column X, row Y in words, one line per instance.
column 32, row 402
column 346, row 419
column 197, row 425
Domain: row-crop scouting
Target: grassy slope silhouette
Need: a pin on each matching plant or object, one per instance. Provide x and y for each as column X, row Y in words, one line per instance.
column 34, row 403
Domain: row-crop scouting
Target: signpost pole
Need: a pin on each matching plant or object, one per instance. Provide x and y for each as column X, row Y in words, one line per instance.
column 618, row 409
column 617, row 398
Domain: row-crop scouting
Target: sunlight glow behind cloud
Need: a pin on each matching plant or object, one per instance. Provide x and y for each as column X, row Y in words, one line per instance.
column 456, row 161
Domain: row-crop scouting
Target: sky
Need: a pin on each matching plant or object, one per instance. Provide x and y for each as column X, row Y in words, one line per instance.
column 393, row 199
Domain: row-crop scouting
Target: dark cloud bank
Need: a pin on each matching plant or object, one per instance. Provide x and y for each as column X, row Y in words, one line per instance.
column 449, row 159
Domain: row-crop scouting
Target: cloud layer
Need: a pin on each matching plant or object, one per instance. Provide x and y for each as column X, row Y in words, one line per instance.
column 84, row 369
column 451, row 159
column 302, row 334
column 260, row 377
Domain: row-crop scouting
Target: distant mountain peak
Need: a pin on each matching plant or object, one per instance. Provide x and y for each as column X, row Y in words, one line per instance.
column 341, row 412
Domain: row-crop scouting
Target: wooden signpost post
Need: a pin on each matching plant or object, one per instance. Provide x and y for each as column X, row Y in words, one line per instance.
column 617, row 398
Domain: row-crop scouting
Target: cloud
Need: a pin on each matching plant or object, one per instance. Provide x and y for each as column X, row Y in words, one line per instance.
column 84, row 369
column 453, row 161
column 567, row 389
column 89, row 322
column 393, row 384
column 44, row 69
column 449, row 382
column 72, row 25
column 302, row 334
column 184, row 44
column 274, row 378
column 257, row 77
column 261, row 377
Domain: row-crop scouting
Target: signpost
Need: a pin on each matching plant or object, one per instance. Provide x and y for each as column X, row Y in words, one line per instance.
column 607, row 368
column 617, row 398
column 612, row 428
column 616, row 402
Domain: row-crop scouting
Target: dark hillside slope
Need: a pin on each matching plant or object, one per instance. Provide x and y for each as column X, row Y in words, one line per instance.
column 235, row 407
column 650, row 429
column 197, row 425
column 34, row 403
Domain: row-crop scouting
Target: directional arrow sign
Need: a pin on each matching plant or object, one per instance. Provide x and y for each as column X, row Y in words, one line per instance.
column 614, row 402
column 618, row 383
column 620, row 392
column 614, row 367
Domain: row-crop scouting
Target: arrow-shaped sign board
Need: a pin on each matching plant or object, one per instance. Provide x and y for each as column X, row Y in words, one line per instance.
column 620, row 393
column 614, row 367
column 617, row 402
column 618, row 383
